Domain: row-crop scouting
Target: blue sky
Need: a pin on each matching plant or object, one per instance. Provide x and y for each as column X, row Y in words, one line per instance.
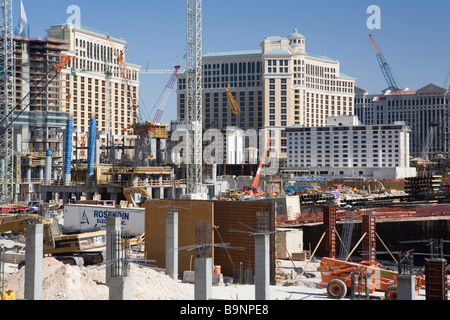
column 414, row 35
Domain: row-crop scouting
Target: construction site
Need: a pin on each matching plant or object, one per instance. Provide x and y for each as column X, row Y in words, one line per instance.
column 122, row 210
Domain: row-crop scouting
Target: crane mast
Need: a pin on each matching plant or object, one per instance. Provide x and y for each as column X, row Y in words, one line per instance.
column 194, row 96
column 6, row 102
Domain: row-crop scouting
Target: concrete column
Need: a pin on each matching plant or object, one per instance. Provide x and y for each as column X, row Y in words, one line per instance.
column 172, row 244
column 48, row 168
column 135, row 180
column 120, row 288
column 214, row 172
column 119, row 284
column 262, row 267
column 34, row 256
column 112, row 225
column 161, row 189
column 203, row 279
column 406, row 287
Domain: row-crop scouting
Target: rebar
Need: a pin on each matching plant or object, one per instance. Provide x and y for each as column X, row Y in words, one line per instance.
column 120, row 254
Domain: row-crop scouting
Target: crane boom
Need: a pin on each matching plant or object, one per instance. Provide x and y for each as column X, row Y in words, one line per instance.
column 166, row 94
column 233, row 104
column 385, row 68
column 258, row 172
column 447, row 77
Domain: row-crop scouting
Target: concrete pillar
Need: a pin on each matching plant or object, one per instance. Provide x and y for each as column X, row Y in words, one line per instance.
column 262, row 267
column 113, row 225
column 119, row 284
column 406, row 287
column 172, row 244
column 34, row 256
column 48, row 168
column 135, row 180
column 120, row 288
column 214, row 172
column 161, row 189
column 203, row 279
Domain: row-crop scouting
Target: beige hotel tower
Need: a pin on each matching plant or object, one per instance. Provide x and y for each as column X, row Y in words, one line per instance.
column 114, row 103
column 278, row 86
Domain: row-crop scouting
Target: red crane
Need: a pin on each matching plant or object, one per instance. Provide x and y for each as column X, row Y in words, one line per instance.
column 258, row 172
column 254, row 188
column 165, row 96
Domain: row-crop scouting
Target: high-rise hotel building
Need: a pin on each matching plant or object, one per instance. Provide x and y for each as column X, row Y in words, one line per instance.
column 425, row 111
column 114, row 103
column 277, row 86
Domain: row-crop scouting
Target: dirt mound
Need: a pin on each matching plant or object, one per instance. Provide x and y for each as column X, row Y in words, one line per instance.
column 66, row 282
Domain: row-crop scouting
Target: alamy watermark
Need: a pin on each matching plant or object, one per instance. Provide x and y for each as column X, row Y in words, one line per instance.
column 248, row 147
column 75, row 15
column 374, row 21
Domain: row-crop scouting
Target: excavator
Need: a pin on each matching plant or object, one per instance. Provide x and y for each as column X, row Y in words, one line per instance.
column 128, row 193
column 74, row 248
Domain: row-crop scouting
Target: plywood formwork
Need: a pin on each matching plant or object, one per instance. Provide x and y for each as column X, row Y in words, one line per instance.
column 234, row 221
column 189, row 213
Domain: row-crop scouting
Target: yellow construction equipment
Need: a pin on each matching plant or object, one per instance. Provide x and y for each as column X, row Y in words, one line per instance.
column 233, row 104
column 127, row 192
column 77, row 247
column 8, row 294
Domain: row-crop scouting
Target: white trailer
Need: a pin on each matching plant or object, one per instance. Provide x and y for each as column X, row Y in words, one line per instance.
column 85, row 216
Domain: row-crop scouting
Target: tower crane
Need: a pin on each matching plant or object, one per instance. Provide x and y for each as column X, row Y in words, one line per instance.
column 6, row 101
column 194, row 166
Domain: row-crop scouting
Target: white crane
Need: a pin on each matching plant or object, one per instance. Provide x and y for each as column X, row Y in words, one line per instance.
column 194, row 96
column 6, row 102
